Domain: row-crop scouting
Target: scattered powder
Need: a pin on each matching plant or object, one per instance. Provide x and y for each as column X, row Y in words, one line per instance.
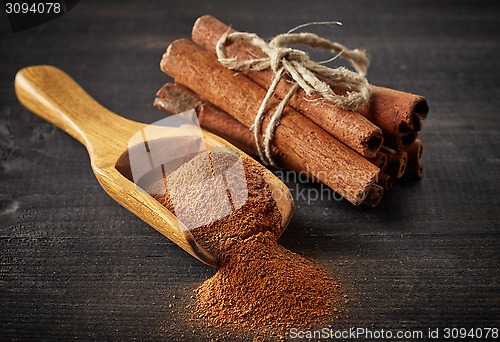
column 261, row 286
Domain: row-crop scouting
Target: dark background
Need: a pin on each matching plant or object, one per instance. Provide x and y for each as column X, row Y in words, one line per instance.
column 74, row 264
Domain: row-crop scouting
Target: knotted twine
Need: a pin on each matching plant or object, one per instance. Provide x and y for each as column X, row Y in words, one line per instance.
column 282, row 59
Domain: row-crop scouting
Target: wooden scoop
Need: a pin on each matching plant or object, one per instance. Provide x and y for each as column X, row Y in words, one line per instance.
column 53, row 95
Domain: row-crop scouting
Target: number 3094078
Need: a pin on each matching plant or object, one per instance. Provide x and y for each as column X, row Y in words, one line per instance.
column 24, row 7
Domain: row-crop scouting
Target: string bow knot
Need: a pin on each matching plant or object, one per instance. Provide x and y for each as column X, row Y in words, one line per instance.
column 311, row 76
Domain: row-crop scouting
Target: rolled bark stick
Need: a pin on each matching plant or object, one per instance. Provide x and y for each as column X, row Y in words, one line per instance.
column 174, row 99
column 397, row 113
column 374, row 195
column 415, row 166
column 303, row 143
column 385, row 181
column 397, row 163
column 349, row 127
column 381, row 160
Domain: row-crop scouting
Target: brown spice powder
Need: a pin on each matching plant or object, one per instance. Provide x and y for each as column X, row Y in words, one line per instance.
column 260, row 286
column 258, row 214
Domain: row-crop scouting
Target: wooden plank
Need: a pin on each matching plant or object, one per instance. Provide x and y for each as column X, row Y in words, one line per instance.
column 74, row 264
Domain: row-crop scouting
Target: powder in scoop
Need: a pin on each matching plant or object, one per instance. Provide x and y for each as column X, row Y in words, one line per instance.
column 188, row 186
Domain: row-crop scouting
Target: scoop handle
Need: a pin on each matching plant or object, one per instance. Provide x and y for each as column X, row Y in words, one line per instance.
column 53, row 95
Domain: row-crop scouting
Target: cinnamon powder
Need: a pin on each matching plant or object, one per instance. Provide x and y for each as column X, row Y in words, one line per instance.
column 188, row 184
column 260, row 286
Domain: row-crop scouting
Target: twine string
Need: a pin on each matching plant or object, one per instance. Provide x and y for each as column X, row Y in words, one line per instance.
column 311, row 76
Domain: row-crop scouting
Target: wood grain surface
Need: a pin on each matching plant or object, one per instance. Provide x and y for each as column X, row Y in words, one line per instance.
column 74, row 264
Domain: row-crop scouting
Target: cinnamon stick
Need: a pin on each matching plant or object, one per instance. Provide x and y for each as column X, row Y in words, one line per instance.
column 381, row 160
column 415, row 166
column 303, row 143
column 397, row 163
column 397, row 113
column 385, row 181
column 374, row 195
column 174, row 99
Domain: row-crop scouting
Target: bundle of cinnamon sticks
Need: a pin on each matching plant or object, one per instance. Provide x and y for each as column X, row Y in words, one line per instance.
column 357, row 153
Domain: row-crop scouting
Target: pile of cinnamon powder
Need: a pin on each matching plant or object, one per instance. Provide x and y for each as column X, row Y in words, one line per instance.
column 260, row 286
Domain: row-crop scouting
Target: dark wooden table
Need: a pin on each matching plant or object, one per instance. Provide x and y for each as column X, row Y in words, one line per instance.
column 74, row 264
